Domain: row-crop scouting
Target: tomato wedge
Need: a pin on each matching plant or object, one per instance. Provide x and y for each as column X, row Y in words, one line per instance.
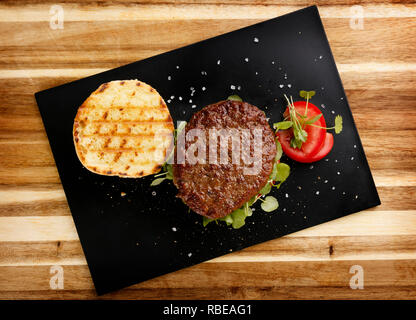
column 316, row 136
column 326, row 148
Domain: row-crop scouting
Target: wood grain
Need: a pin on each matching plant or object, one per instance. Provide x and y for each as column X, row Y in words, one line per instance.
column 378, row 69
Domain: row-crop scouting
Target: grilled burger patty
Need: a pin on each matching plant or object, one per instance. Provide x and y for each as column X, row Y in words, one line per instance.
column 215, row 190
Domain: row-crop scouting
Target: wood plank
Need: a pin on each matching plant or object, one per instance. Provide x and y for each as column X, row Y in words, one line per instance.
column 319, row 248
column 217, row 2
column 61, row 228
column 37, row 200
column 233, row 292
column 379, row 279
column 100, row 45
column 29, row 175
column 111, row 12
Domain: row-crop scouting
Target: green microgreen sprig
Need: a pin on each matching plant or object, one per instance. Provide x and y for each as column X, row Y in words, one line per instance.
column 298, row 122
column 234, row 97
column 167, row 169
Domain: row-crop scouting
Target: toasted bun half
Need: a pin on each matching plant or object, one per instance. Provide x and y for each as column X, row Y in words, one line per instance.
column 123, row 129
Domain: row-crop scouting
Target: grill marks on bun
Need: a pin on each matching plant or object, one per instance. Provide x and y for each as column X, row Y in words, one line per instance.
column 123, row 129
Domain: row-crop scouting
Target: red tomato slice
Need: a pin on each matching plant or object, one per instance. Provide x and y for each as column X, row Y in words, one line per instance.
column 316, row 136
column 326, row 148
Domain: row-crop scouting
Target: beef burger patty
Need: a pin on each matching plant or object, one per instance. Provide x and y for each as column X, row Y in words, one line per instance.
column 216, row 189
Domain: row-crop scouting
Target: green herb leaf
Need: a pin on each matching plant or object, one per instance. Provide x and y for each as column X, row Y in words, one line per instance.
column 303, row 135
column 266, row 189
column 306, row 94
column 248, row 210
column 228, row 219
column 236, row 218
column 303, row 94
column 206, row 220
column 157, row 181
column 169, row 170
column 252, row 200
column 279, row 151
column 274, row 172
column 283, row 172
column 314, row 119
column 338, row 124
column 180, row 127
column 295, row 143
column 283, row 125
column 234, row 97
column 239, row 218
column 269, row 204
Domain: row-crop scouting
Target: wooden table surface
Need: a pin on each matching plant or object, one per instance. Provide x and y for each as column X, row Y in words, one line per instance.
column 378, row 69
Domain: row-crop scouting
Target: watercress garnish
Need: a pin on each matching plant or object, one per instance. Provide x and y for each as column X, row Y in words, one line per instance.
column 167, row 169
column 269, row 204
column 234, row 97
column 298, row 122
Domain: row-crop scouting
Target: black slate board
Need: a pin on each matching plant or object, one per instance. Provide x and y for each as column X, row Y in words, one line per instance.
column 149, row 231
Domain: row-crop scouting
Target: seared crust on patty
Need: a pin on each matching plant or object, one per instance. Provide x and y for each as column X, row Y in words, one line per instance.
column 123, row 129
column 215, row 190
